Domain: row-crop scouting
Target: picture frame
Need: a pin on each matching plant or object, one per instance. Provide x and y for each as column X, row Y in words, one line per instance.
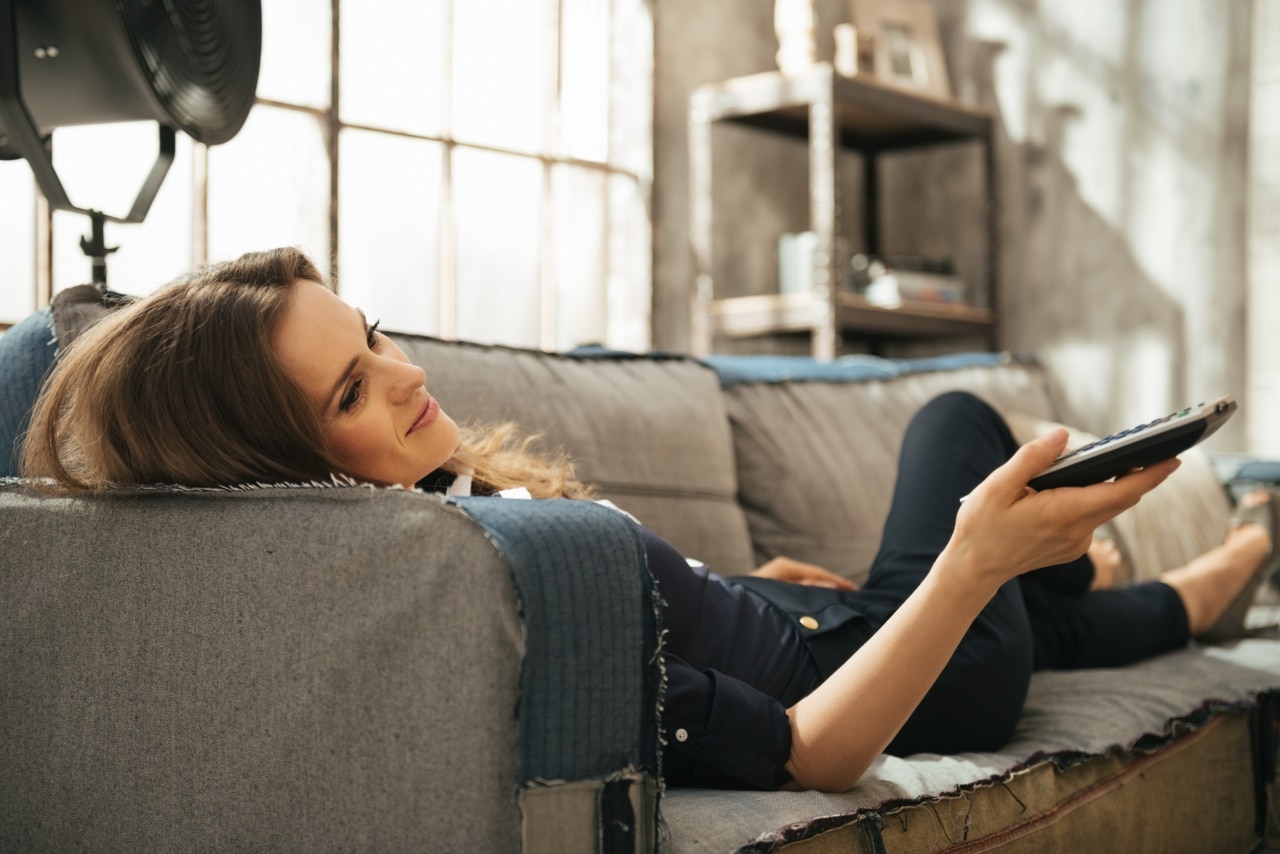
column 906, row 47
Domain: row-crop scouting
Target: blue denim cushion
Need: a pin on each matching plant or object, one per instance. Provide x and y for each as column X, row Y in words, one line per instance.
column 26, row 355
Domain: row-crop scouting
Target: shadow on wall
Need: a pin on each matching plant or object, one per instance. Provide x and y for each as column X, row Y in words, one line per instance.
column 1072, row 290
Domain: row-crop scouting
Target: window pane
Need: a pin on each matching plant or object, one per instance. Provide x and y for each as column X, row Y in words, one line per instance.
column 17, row 240
column 500, row 71
column 270, row 187
column 392, row 75
column 630, row 292
column 103, row 167
column 296, row 52
column 579, row 204
column 498, row 197
column 631, row 107
column 584, row 79
column 389, row 222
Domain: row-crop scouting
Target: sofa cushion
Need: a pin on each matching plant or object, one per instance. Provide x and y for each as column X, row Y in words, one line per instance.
column 817, row 457
column 651, row 432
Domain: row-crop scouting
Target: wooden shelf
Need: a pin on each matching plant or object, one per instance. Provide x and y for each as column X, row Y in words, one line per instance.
column 742, row 317
column 833, row 113
column 871, row 115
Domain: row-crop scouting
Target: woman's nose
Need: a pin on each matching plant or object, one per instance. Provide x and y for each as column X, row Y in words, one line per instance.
column 406, row 378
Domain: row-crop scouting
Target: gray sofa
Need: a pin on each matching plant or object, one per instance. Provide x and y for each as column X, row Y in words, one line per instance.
column 337, row 667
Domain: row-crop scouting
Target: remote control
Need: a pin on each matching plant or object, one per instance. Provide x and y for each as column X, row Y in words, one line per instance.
column 1143, row 445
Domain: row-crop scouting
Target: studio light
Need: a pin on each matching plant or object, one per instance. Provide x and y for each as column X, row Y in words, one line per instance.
column 188, row 65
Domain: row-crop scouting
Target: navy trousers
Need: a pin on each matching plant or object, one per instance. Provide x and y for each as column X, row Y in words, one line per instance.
column 1046, row 619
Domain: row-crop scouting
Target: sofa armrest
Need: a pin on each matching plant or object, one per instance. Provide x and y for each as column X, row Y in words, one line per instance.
column 303, row 669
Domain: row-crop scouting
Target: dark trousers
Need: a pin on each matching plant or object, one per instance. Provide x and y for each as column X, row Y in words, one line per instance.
column 1046, row 619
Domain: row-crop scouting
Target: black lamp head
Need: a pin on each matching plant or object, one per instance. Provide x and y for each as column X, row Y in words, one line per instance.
column 190, row 65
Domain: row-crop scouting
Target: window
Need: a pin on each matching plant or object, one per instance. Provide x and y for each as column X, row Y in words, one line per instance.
column 475, row 169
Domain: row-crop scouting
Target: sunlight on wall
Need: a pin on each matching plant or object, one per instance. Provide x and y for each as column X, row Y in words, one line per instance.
column 1133, row 382
column 1145, row 388
column 1263, row 412
column 1143, row 85
column 1004, row 23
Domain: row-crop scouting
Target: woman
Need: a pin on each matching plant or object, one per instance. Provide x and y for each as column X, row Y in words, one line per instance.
column 254, row 371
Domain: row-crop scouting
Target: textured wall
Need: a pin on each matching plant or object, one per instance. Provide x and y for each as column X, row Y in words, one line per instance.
column 1122, row 161
column 1263, row 415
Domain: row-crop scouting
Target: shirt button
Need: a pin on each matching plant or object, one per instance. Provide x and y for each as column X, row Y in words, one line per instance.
column 808, row 622
column 682, row 735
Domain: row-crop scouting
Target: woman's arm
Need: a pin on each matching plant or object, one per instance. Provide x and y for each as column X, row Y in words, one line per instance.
column 1003, row 530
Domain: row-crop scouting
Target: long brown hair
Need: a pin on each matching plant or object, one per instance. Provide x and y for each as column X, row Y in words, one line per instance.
column 183, row 387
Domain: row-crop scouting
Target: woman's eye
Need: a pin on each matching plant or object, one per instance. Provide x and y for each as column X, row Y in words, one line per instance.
column 352, row 397
column 373, row 335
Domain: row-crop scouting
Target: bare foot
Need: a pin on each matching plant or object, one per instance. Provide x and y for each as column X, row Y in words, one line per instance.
column 1209, row 584
column 1106, row 563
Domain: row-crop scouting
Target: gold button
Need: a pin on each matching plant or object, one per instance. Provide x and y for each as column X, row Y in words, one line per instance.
column 809, row 622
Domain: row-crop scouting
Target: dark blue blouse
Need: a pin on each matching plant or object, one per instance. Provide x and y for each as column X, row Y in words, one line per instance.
column 734, row 663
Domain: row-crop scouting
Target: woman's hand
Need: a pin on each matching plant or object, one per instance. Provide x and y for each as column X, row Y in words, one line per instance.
column 799, row 572
column 1005, row 528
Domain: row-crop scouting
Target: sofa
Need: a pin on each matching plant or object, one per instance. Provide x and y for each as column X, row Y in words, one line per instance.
column 332, row 666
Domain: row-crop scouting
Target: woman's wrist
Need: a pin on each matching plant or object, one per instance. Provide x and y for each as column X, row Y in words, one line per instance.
column 965, row 576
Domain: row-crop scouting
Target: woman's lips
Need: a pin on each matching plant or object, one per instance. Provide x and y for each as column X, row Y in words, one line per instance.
column 430, row 411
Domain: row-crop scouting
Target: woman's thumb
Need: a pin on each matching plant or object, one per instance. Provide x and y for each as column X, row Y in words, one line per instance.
column 1031, row 459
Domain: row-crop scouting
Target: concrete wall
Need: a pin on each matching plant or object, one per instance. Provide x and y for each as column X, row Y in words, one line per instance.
column 1123, row 160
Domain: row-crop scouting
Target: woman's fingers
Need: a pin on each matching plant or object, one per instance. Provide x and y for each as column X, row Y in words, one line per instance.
column 799, row 572
column 1010, row 480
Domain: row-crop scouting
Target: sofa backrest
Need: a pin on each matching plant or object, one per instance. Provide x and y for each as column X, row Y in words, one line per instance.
column 816, row 446
column 651, row 432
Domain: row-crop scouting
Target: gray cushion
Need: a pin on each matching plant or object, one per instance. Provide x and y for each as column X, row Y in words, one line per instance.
column 652, row 433
column 817, row 460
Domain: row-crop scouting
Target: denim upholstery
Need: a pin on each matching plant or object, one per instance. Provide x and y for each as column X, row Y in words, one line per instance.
column 26, row 354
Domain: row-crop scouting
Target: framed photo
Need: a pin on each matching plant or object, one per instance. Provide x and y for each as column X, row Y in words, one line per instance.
column 905, row 44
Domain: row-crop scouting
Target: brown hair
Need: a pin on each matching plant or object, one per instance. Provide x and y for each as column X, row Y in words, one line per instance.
column 183, row 387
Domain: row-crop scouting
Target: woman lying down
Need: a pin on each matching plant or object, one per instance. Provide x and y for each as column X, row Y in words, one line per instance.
column 254, row 371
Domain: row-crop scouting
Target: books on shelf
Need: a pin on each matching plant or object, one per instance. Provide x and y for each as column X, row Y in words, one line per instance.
column 895, row 287
column 885, row 284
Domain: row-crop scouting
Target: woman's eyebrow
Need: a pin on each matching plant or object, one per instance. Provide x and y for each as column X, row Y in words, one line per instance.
column 346, row 374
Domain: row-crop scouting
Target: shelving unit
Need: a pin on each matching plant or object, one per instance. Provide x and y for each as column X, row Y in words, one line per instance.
column 832, row 113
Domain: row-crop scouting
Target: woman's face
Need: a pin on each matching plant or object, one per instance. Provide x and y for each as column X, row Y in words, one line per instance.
column 378, row 418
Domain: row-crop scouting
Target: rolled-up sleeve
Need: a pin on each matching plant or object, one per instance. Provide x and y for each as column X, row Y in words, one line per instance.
column 721, row 732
